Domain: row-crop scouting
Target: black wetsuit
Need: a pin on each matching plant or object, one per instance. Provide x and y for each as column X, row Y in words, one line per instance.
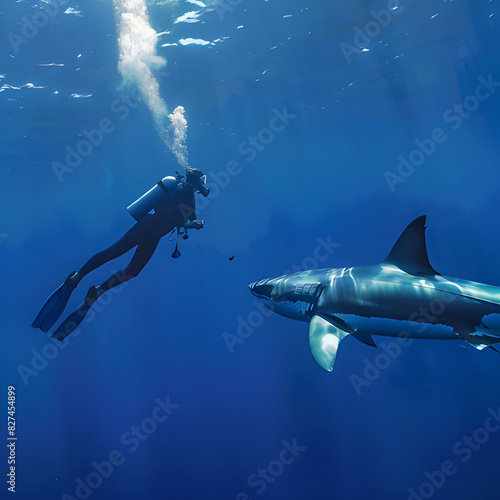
column 177, row 209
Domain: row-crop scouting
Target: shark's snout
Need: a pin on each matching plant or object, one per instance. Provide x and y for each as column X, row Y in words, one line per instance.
column 261, row 289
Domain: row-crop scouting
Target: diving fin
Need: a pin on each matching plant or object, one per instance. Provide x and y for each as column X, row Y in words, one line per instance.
column 72, row 322
column 324, row 340
column 54, row 306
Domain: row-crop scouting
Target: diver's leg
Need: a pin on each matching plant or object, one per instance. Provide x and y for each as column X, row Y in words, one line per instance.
column 141, row 257
column 128, row 241
column 55, row 304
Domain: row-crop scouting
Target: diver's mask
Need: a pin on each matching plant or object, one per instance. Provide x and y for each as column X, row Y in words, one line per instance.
column 198, row 180
column 202, row 188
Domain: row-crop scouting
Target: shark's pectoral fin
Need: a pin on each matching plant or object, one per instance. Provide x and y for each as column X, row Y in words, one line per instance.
column 324, row 340
column 361, row 335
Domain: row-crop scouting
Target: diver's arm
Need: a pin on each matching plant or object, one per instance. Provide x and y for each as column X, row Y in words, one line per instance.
column 192, row 221
column 192, row 213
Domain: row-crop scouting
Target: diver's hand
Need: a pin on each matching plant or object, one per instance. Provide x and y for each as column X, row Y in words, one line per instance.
column 195, row 224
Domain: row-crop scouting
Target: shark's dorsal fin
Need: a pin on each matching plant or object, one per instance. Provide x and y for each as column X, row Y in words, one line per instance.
column 410, row 252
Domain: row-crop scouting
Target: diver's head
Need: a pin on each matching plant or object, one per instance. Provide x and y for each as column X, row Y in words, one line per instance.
column 197, row 179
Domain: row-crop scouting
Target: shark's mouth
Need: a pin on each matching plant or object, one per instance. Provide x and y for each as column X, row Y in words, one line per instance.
column 279, row 291
column 291, row 300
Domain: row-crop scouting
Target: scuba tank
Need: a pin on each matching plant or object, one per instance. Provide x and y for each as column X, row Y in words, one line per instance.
column 148, row 201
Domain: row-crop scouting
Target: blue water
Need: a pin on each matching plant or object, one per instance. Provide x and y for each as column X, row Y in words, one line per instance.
column 350, row 108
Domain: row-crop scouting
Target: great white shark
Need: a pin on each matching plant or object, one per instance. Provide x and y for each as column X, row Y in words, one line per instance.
column 402, row 296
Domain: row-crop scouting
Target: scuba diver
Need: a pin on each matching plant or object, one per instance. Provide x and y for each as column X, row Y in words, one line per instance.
column 170, row 204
